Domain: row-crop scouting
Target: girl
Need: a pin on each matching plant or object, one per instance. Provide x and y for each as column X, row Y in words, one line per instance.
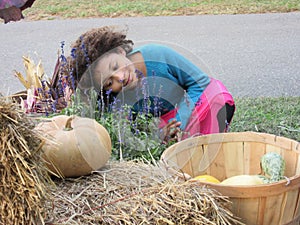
column 154, row 78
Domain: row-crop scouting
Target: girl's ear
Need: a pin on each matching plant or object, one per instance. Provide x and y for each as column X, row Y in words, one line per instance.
column 121, row 50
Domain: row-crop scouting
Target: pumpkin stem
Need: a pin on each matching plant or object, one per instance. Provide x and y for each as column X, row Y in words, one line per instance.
column 68, row 126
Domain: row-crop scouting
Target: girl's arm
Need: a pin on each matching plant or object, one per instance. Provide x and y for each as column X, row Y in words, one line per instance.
column 191, row 79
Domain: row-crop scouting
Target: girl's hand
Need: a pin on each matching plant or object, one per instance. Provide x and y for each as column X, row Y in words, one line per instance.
column 171, row 132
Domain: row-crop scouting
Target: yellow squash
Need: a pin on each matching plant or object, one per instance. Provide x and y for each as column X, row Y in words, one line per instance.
column 206, row 178
column 243, row 180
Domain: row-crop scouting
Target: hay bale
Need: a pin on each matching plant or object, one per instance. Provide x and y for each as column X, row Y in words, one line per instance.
column 131, row 192
column 23, row 176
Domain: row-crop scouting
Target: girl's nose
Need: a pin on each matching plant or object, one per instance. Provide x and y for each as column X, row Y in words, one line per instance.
column 119, row 76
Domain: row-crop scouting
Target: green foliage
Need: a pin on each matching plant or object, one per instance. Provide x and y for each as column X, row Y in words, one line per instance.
column 131, row 138
column 144, row 7
column 279, row 116
column 49, row 9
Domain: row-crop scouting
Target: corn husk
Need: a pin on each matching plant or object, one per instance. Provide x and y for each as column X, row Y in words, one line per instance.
column 34, row 74
column 41, row 95
column 24, row 177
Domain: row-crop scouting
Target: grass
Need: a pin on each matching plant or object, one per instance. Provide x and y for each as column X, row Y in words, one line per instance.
column 56, row 9
column 279, row 116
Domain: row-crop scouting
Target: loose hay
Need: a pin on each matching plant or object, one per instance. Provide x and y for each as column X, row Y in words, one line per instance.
column 23, row 176
column 135, row 193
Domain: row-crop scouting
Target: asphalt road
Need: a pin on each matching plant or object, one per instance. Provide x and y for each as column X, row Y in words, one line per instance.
column 254, row 55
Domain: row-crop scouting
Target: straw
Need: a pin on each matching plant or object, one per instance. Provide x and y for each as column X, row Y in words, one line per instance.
column 135, row 192
column 24, row 179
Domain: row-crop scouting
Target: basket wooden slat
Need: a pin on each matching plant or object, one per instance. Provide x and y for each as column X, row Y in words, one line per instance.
column 229, row 154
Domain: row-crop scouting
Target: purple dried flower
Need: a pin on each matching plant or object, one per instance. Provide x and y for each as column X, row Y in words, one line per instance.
column 85, row 52
column 72, row 79
column 198, row 103
column 62, row 44
column 108, row 92
column 139, row 73
column 54, row 105
column 63, row 59
column 73, row 53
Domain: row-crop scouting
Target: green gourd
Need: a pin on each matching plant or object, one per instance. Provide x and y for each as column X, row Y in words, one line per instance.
column 273, row 166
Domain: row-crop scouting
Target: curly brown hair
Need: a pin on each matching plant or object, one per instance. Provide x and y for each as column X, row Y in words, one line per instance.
column 94, row 43
column 85, row 50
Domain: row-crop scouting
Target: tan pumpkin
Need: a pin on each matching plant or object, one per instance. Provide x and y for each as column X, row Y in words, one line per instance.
column 80, row 145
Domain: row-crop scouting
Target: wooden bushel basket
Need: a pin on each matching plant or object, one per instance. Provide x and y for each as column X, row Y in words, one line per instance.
column 229, row 154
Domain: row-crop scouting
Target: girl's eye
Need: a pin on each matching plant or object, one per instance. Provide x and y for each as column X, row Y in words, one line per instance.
column 108, row 84
column 115, row 67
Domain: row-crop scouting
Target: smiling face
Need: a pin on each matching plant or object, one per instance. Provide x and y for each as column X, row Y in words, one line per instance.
column 115, row 71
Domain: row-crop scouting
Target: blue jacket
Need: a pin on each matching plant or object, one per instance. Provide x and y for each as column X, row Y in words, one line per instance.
column 172, row 81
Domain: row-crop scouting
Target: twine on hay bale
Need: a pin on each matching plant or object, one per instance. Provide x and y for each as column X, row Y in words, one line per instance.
column 24, row 178
column 131, row 192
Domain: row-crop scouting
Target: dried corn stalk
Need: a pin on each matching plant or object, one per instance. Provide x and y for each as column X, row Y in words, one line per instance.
column 23, row 176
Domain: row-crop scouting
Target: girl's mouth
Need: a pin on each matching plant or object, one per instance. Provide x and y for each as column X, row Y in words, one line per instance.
column 128, row 79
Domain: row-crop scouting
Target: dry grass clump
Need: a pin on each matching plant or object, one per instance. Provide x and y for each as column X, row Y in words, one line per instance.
column 135, row 193
column 23, row 177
